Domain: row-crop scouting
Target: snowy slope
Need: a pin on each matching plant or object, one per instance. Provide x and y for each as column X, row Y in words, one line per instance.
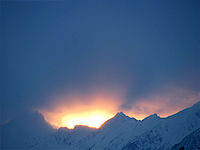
column 123, row 132
column 169, row 131
column 190, row 142
column 118, row 131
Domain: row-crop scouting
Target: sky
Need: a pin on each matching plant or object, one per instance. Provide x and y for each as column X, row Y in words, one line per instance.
column 141, row 57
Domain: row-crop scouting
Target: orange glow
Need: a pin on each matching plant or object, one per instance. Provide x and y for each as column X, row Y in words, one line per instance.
column 92, row 110
column 92, row 119
column 165, row 104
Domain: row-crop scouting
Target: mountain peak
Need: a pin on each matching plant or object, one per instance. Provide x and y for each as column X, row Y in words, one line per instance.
column 123, row 132
column 121, row 115
column 152, row 117
column 82, row 127
column 118, row 120
column 196, row 104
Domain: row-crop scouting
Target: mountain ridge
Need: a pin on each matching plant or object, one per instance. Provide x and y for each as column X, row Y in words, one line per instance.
column 121, row 115
column 123, row 133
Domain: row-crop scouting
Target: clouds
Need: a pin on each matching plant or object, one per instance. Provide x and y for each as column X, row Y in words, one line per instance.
column 65, row 109
column 17, row 132
column 65, row 47
column 164, row 103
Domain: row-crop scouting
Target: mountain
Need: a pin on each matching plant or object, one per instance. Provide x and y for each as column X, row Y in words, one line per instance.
column 168, row 132
column 125, row 133
column 190, row 142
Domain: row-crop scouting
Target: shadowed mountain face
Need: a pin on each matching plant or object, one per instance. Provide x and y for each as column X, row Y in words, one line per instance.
column 119, row 133
column 190, row 142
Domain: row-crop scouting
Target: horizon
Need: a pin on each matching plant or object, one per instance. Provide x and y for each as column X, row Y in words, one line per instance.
column 123, row 114
column 75, row 62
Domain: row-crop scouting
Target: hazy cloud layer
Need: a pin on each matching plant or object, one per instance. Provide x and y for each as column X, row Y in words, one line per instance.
column 141, row 48
column 165, row 103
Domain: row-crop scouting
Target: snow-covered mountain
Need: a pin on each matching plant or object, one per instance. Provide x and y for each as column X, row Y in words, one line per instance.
column 190, row 142
column 124, row 133
column 168, row 131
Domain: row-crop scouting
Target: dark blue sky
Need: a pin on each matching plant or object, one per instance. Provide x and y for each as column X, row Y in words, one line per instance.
column 146, row 47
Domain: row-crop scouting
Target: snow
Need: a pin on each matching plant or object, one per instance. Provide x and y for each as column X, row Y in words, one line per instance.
column 190, row 142
column 123, row 132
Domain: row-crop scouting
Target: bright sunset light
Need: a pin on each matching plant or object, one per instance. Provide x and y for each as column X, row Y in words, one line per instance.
column 92, row 119
column 89, row 110
column 94, row 109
